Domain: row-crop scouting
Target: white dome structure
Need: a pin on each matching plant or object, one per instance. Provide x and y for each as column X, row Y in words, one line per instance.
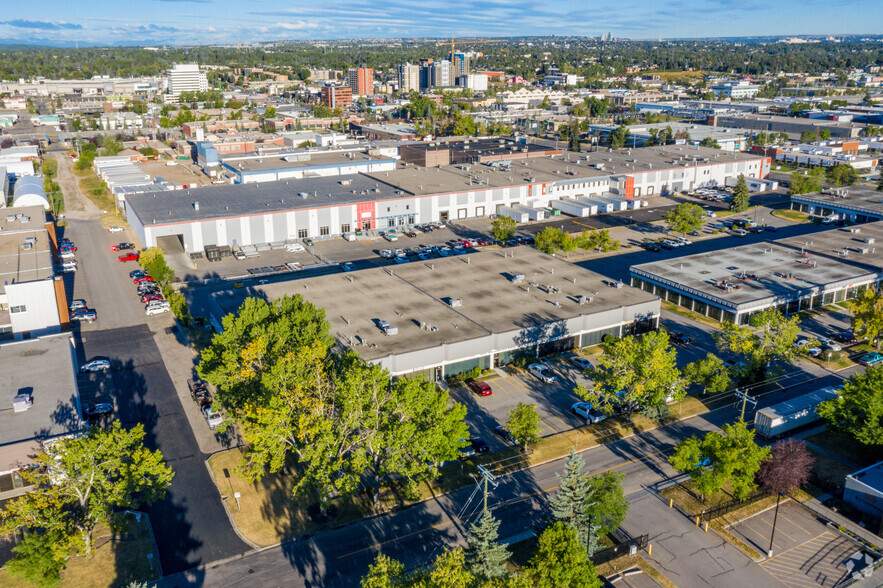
column 29, row 192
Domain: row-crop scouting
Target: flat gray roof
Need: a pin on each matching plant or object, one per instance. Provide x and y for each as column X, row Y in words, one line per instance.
column 859, row 199
column 43, row 368
column 298, row 159
column 33, row 217
column 230, row 201
column 417, row 293
column 791, row 120
column 757, row 273
column 871, row 476
column 25, row 265
column 849, row 244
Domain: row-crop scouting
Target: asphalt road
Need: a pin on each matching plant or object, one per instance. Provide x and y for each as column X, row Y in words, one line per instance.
column 189, row 524
column 339, row 557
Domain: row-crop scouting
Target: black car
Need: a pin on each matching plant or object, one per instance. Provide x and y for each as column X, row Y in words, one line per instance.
column 94, row 410
column 770, row 228
column 651, row 246
column 666, row 245
column 478, row 445
column 680, row 339
column 846, row 337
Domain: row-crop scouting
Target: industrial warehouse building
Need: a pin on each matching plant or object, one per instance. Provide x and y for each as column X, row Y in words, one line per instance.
column 315, row 207
column 856, row 205
column 449, row 315
column 733, row 284
column 303, row 164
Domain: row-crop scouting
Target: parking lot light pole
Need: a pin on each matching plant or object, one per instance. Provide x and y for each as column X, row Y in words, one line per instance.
column 769, row 552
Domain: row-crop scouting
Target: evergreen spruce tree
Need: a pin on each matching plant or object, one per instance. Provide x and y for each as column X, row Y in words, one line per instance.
column 741, row 199
column 486, row 558
column 572, row 500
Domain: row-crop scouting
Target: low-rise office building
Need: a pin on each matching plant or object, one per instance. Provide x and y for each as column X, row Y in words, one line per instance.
column 786, row 124
column 40, row 404
column 450, row 315
column 734, row 284
column 864, row 490
column 856, row 205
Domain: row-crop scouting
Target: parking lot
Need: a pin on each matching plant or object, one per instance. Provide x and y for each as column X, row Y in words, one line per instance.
column 553, row 401
column 805, row 551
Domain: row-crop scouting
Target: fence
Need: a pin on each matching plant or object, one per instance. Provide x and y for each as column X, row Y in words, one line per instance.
column 629, row 547
column 722, row 509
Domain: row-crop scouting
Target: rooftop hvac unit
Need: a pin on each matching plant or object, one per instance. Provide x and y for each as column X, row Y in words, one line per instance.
column 869, row 240
column 864, row 250
column 455, row 302
column 22, row 402
column 517, row 278
column 391, row 330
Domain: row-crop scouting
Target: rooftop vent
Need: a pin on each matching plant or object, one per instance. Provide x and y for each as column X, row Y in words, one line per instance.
column 196, row 206
column 517, row 278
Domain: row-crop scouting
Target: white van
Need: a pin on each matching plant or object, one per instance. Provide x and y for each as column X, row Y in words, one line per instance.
column 349, row 236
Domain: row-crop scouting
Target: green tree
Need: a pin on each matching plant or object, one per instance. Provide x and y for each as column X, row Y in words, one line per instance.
column 731, row 456
column 561, row 560
column 385, row 572
column 741, row 197
column 609, row 505
column 549, row 240
column 78, row 484
column 824, row 134
column 805, row 183
column 111, row 145
column 710, row 372
column 270, row 112
column 637, row 371
column 38, row 559
column 503, row 228
column 685, row 218
column 858, row 410
column 338, row 417
column 618, row 137
column 523, row 423
column 842, row 174
column 573, row 136
column 808, row 137
column 449, row 570
column 880, row 184
column 485, row 556
column 572, row 500
column 768, row 338
column 710, row 142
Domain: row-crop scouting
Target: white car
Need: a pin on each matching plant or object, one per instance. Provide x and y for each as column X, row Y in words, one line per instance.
column 684, row 241
column 295, row 248
column 152, row 310
column 710, row 214
column 829, row 343
column 588, row 412
column 212, row 416
column 580, row 362
column 116, row 229
column 541, row 372
column 804, row 345
column 67, row 255
column 438, row 225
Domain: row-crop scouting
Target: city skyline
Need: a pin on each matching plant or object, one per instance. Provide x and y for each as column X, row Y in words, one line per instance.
column 198, row 22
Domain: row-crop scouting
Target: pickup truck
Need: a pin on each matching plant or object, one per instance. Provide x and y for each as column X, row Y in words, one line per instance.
column 132, row 256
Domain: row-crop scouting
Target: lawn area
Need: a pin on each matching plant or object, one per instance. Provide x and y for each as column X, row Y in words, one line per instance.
column 113, row 220
column 119, row 560
column 671, row 307
column 270, row 514
column 792, row 215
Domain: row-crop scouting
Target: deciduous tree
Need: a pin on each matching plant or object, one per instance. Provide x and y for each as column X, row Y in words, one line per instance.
column 710, row 372
column 858, row 411
column 867, row 315
column 685, row 218
column 731, row 456
column 503, row 228
column 609, row 505
column 788, row 467
column 523, row 423
column 636, row 370
column 842, row 174
column 561, row 560
column 767, row 340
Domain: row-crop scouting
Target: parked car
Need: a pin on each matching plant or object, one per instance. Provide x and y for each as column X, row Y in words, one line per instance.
column 666, row 244
column 808, row 347
column 212, row 416
column 504, row 434
column 152, row 310
column 96, row 365
column 67, row 246
column 828, row 343
column 129, row 257
column 137, row 272
column 770, row 228
column 588, row 412
column 67, row 269
column 84, row 314
column 122, row 246
column 580, row 362
column 480, row 388
column 67, row 255
column 391, row 237
column 541, row 372
column 77, row 304
column 199, row 391
column 479, row 445
column 871, row 359
column 680, row 339
column 115, row 229
column 846, row 337
column 149, row 297
column 142, row 279
column 651, row 246
column 94, row 410
column 295, row 248
column 467, row 451
column 684, row 241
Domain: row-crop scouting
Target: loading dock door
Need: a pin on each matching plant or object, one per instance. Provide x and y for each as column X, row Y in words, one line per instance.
column 171, row 244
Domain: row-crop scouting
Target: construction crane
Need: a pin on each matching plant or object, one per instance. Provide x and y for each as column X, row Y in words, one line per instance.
column 453, row 43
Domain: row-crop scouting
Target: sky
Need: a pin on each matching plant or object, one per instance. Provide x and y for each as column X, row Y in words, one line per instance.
column 200, row 22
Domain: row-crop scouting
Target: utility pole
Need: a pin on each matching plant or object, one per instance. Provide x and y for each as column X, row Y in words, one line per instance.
column 487, row 477
column 745, row 398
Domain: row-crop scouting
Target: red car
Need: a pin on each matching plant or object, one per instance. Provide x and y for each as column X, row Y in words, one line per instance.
column 148, row 297
column 129, row 257
column 141, row 279
column 480, row 388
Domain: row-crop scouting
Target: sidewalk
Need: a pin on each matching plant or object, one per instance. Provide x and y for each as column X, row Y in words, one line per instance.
column 180, row 360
